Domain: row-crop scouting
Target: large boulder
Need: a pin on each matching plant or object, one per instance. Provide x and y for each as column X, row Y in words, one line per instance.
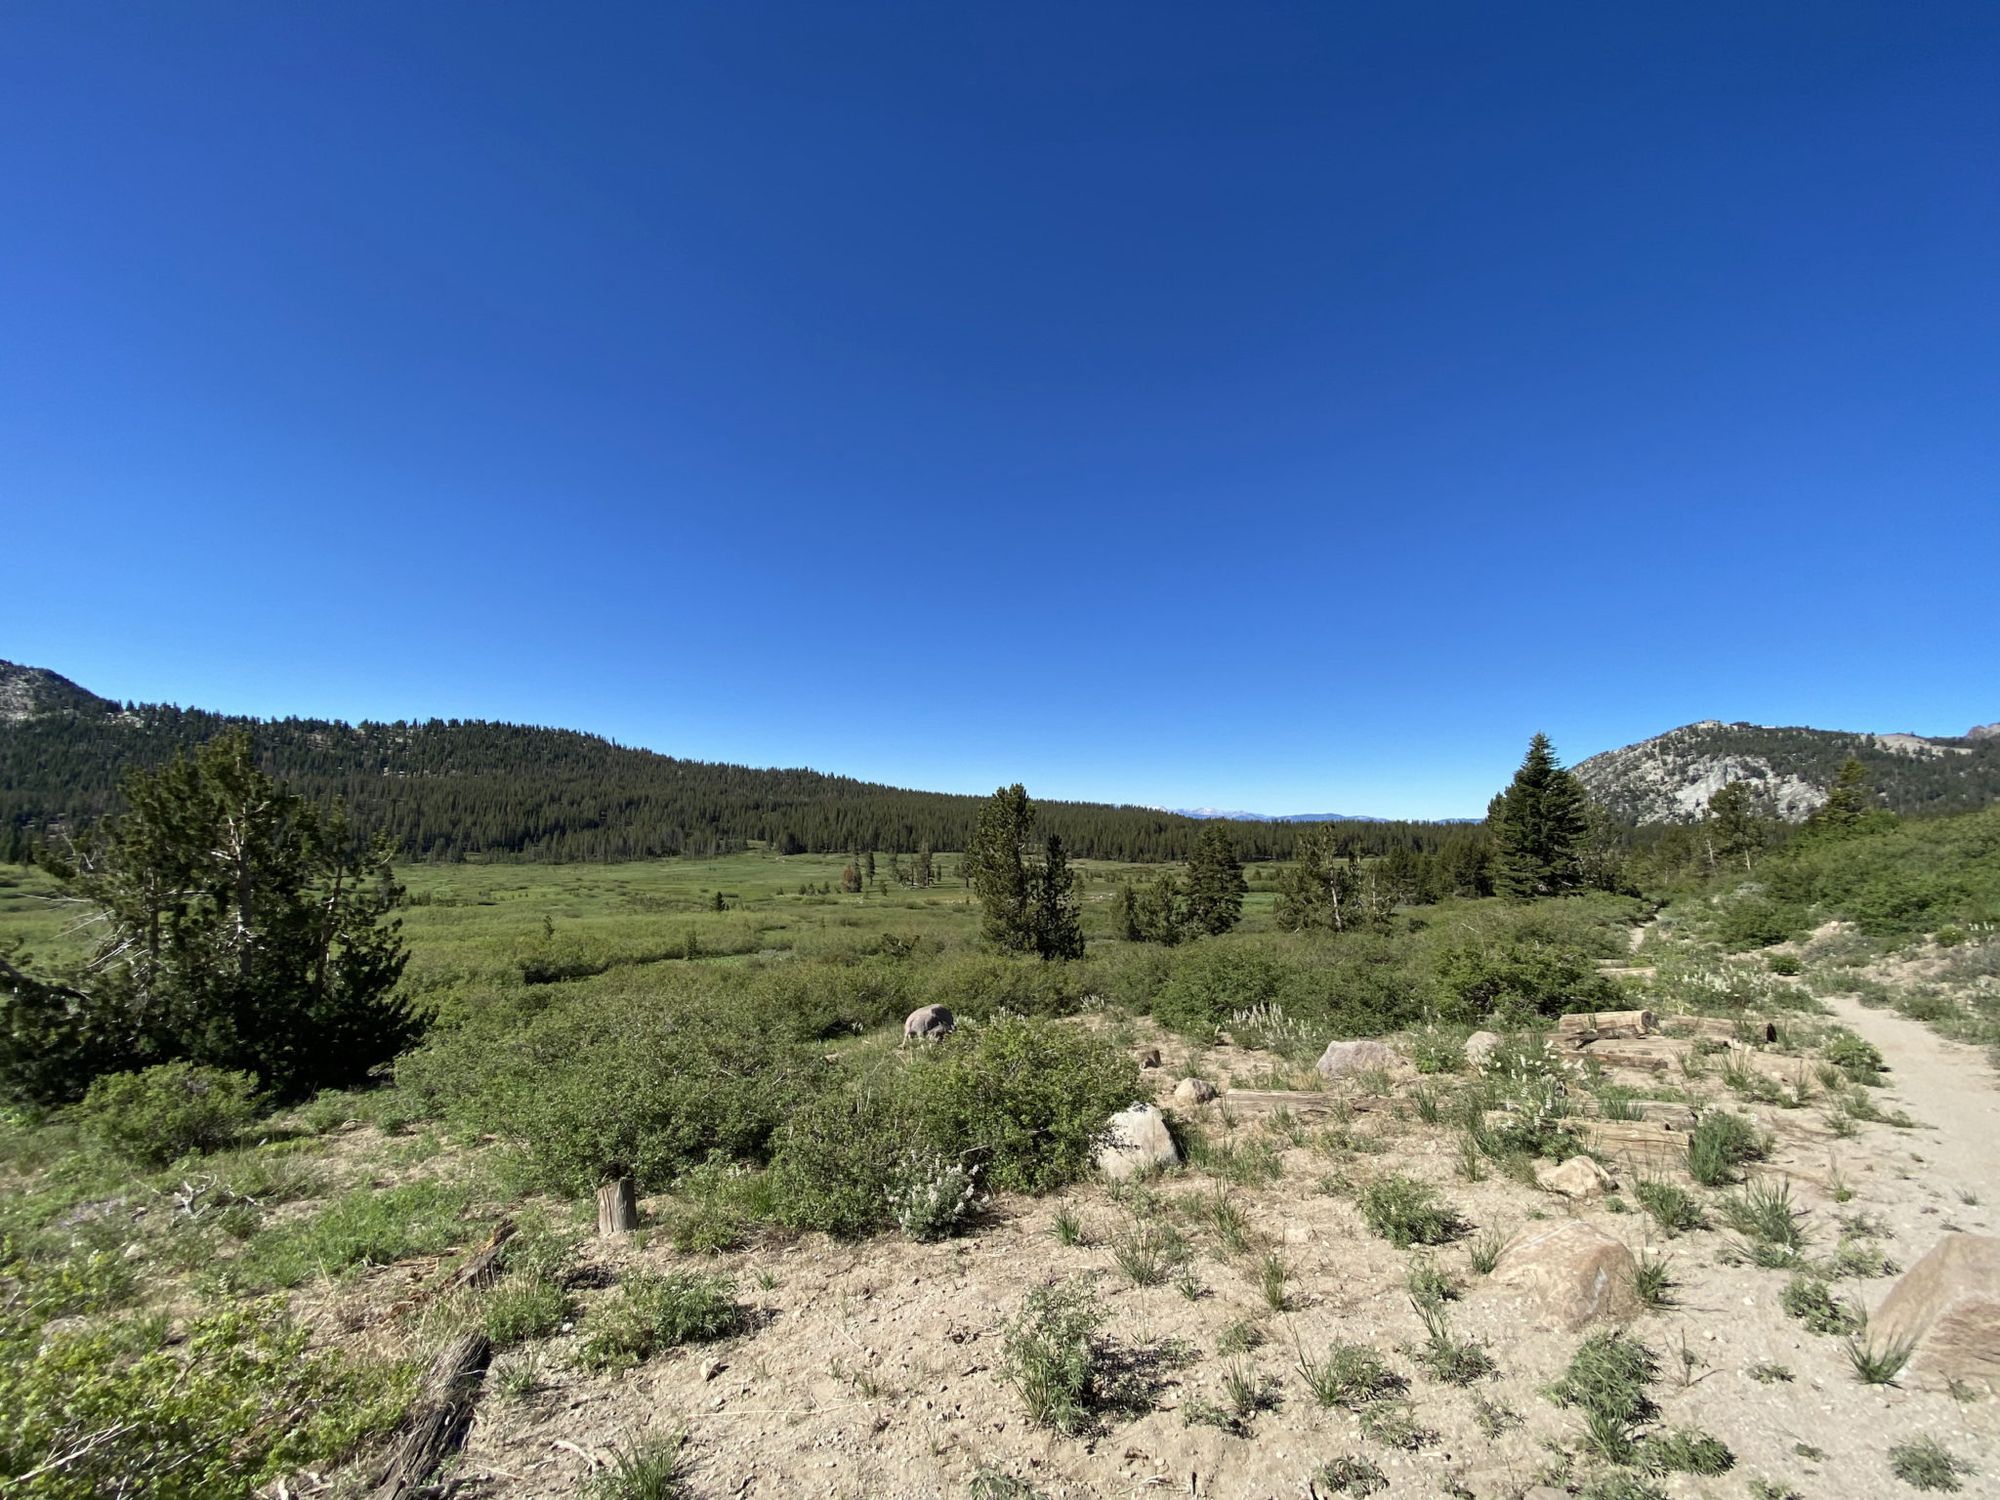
column 1479, row 1047
column 1946, row 1307
column 1573, row 1272
column 1194, row 1091
column 1136, row 1140
column 1345, row 1059
column 928, row 1023
column 1579, row 1177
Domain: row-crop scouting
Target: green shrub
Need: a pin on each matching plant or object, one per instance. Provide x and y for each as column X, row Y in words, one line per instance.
column 1783, row 963
column 1214, row 980
column 1029, row 1097
column 650, row 1313
column 235, row 1401
column 932, row 1196
column 654, row 1468
column 1754, row 920
column 1720, row 1145
column 1052, row 1358
column 1926, row 1464
column 644, row 1085
column 1858, row 1059
column 1672, row 1206
column 1527, row 974
column 1024, row 1099
column 1406, row 1212
column 1349, row 1375
column 164, row 1113
column 1685, row 1450
column 1808, row 1299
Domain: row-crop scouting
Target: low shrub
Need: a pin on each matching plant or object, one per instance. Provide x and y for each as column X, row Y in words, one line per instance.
column 1720, row 1145
column 1052, row 1358
column 932, row 1196
column 650, row 1313
column 1926, row 1464
column 163, row 1113
column 1407, row 1212
column 239, row 1398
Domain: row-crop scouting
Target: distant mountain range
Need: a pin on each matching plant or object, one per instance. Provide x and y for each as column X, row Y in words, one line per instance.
column 1669, row 778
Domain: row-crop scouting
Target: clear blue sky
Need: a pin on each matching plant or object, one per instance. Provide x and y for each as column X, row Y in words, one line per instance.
column 1289, row 407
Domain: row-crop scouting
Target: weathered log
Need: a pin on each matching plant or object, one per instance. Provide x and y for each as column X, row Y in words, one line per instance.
column 1665, row 1112
column 1299, row 1101
column 1627, row 1057
column 1589, row 1025
column 483, row 1264
column 437, row 1423
column 617, row 1207
column 1647, row 1143
column 1728, row 1030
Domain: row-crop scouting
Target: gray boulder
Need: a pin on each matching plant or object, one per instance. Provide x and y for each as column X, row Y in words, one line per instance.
column 1479, row 1047
column 1136, row 1140
column 1345, row 1059
column 928, row 1023
column 1193, row 1091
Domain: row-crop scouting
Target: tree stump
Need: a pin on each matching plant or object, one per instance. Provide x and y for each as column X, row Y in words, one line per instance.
column 617, row 1208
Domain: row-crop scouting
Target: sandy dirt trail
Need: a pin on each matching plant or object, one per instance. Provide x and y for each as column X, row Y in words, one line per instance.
column 1946, row 1086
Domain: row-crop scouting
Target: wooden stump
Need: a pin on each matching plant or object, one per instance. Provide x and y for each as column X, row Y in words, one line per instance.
column 437, row 1422
column 617, row 1208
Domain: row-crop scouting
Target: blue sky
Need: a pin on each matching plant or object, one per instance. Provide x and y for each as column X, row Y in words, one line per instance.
column 1289, row 407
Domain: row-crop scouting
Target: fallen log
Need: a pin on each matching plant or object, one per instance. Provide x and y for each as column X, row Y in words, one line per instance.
column 1638, row 1143
column 437, row 1423
column 1299, row 1101
column 1590, row 1025
column 1627, row 1057
column 483, row 1264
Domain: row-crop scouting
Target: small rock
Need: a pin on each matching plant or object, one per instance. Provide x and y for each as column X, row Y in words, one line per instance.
column 1136, row 1139
column 710, row 1368
column 1579, row 1177
column 1575, row 1272
column 1150, row 1058
column 1947, row 1308
column 1194, row 1091
column 928, row 1023
column 1344, row 1059
column 1479, row 1047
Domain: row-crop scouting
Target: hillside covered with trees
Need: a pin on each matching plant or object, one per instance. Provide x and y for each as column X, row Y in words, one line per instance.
column 451, row 789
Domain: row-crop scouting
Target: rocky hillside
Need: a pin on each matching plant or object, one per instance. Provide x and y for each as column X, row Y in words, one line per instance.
column 1669, row 778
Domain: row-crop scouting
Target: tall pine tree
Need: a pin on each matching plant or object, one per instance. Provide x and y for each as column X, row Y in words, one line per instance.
column 1053, row 913
column 1539, row 824
column 996, row 866
column 1214, row 883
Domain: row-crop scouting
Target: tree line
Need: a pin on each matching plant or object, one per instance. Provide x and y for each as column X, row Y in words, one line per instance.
column 449, row 789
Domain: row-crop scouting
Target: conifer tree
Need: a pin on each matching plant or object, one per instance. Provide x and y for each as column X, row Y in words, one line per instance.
column 1848, row 802
column 995, row 865
column 1215, row 884
column 244, row 929
column 1058, row 930
column 924, row 873
column 1539, row 824
column 1735, row 831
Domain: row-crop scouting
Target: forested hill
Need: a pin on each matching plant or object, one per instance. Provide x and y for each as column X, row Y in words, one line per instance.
column 1669, row 778
column 456, row 789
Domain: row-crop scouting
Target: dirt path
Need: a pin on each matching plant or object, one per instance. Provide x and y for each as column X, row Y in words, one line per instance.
column 1946, row 1086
